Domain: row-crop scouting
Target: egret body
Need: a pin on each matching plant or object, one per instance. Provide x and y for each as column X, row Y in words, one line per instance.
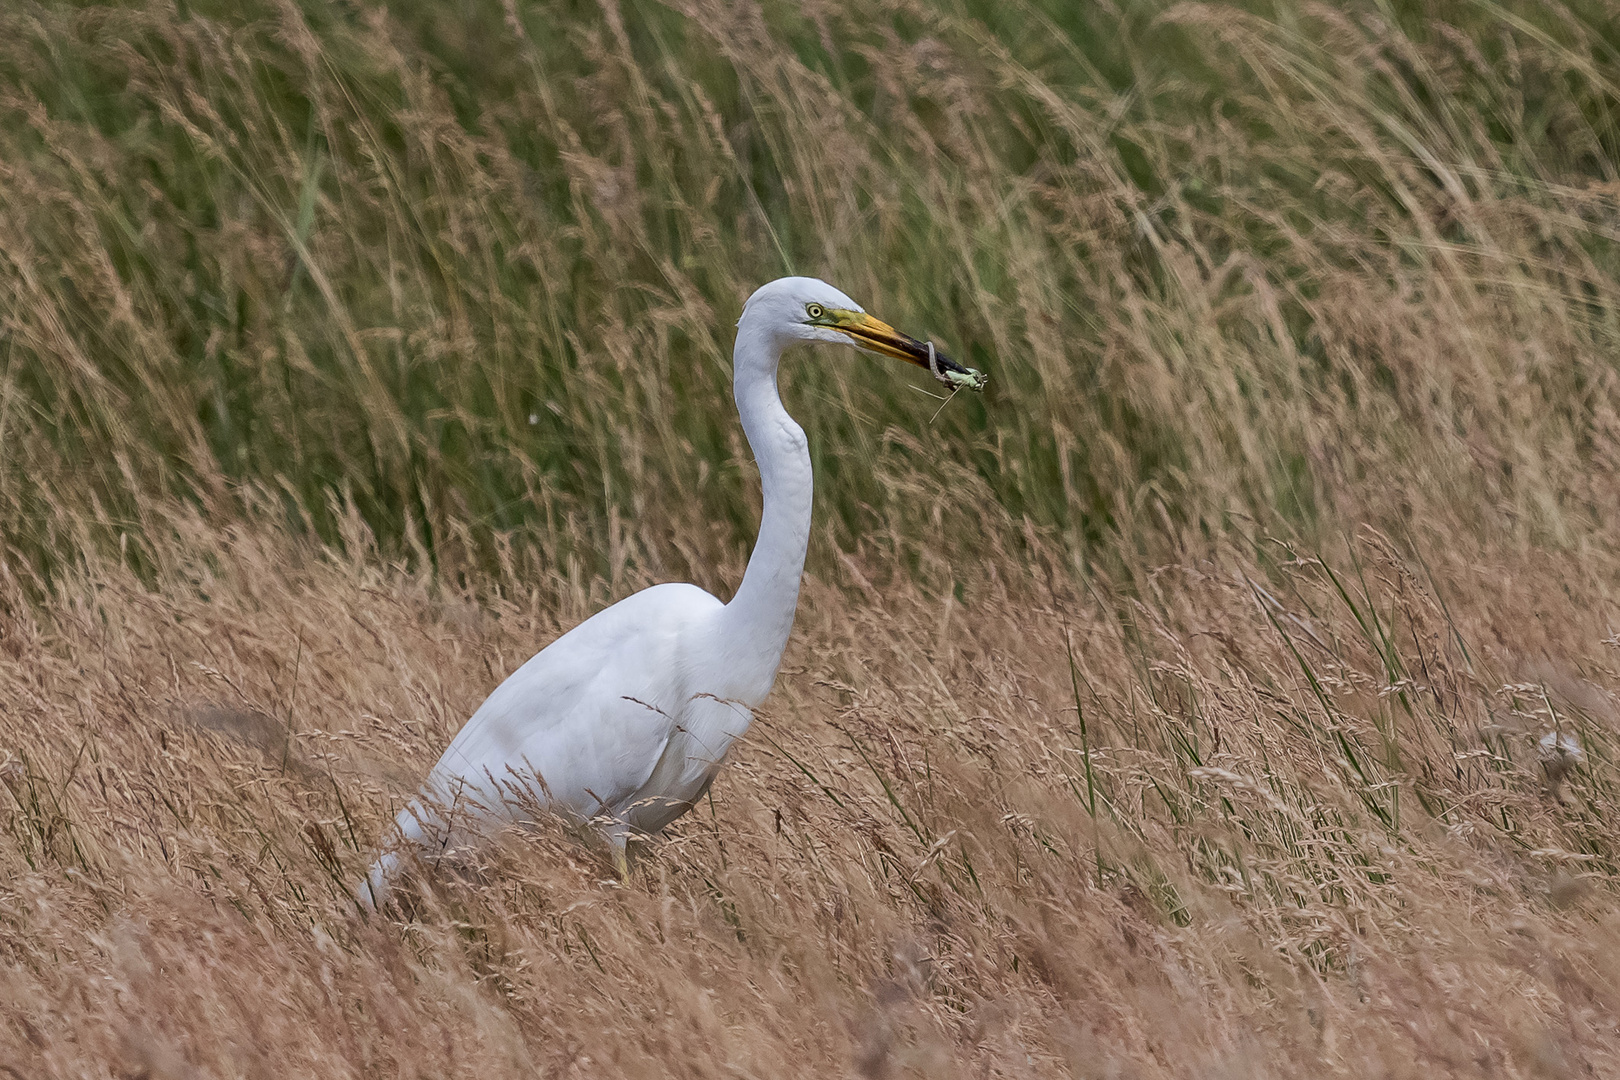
column 625, row 720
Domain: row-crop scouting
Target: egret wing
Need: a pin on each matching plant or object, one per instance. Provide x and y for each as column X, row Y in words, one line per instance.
column 583, row 723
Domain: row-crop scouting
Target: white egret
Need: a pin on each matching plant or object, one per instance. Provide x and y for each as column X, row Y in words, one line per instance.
column 624, row 720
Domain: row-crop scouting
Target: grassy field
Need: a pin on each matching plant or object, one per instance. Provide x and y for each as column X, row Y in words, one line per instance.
column 1170, row 711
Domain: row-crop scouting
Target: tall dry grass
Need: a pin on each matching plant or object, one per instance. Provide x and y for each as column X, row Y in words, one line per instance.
column 1173, row 710
column 1226, row 827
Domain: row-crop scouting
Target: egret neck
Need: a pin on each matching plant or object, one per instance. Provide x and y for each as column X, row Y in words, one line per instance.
column 759, row 618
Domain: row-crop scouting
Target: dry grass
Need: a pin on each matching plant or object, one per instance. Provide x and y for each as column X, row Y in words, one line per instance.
column 1172, row 711
column 1270, row 841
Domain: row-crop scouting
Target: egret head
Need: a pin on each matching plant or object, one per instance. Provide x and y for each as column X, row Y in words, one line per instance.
column 808, row 309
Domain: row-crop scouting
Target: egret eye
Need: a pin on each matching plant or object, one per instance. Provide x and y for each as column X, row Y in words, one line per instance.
column 815, row 311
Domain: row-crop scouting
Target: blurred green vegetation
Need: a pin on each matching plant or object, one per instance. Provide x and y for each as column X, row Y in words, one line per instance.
column 457, row 279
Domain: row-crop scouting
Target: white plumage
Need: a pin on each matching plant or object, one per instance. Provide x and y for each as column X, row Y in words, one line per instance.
column 625, row 720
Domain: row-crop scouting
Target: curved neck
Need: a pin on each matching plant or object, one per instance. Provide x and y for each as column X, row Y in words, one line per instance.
column 760, row 616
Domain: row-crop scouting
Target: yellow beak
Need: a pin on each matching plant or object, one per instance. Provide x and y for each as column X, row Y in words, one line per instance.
column 875, row 335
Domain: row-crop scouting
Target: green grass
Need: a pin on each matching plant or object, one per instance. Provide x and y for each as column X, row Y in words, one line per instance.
column 471, row 271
